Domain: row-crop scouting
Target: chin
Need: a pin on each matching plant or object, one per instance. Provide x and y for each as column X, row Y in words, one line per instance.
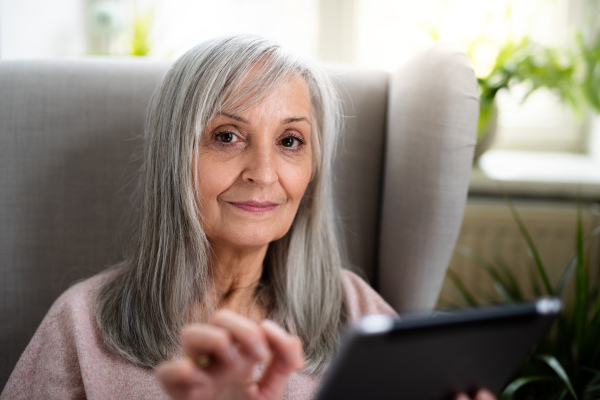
column 252, row 239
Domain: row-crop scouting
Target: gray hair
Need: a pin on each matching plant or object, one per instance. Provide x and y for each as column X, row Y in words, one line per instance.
column 144, row 304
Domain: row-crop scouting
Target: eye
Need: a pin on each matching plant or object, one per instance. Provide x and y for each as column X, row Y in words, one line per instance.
column 226, row 137
column 292, row 142
column 288, row 141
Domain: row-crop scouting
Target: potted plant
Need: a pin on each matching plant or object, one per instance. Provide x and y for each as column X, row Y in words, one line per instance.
column 590, row 58
column 566, row 362
column 524, row 62
column 589, row 84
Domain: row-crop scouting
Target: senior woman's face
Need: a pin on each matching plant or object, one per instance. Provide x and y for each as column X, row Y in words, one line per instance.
column 253, row 168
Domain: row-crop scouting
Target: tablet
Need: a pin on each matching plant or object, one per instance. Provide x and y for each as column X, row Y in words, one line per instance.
column 434, row 357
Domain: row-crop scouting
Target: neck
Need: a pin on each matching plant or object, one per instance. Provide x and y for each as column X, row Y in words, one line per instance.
column 236, row 274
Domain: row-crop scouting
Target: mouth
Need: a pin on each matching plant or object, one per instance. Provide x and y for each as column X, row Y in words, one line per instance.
column 254, row 206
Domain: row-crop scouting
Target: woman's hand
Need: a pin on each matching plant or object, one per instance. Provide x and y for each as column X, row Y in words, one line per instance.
column 221, row 358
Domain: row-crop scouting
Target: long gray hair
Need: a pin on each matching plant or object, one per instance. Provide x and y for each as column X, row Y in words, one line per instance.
column 144, row 304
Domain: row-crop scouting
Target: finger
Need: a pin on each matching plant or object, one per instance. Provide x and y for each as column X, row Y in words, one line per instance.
column 483, row 394
column 245, row 332
column 176, row 377
column 461, row 396
column 287, row 358
column 287, row 347
column 199, row 341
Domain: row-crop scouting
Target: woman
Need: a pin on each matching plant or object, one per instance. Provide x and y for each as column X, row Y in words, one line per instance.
column 236, row 237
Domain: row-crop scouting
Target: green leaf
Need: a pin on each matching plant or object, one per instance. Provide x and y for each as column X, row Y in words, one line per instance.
column 566, row 275
column 563, row 394
column 553, row 363
column 590, row 348
column 466, row 293
column 453, row 298
column 510, row 277
column 593, row 384
column 486, row 110
column 597, row 303
column 533, row 280
column 572, row 264
column 518, row 383
column 500, row 285
column 541, row 268
column 589, row 85
column 581, row 283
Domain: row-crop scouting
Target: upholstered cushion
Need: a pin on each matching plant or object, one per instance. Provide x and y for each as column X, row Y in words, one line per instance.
column 68, row 135
column 432, row 118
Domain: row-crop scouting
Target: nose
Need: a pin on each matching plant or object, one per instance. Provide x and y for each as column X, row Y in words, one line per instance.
column 261, row 164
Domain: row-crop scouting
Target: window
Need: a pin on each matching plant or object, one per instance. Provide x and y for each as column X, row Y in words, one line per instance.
column 374, row 33
column 180, row 24
column 387, row 32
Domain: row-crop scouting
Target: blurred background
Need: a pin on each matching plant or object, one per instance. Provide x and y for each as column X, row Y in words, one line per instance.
column 536, row 47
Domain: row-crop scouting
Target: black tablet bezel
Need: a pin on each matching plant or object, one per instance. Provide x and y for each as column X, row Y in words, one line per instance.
column 433, row 357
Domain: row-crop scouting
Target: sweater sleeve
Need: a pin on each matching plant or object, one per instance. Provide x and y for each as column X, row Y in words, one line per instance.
column 362, row 299
column 49, row 366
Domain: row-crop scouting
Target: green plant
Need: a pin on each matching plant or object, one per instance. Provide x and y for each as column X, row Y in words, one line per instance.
column 566, row 362
column 589, row 51
column 526, row 62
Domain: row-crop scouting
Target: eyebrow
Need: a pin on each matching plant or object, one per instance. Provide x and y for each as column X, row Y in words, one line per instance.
column 290, row 120
column 237, row 118
column 245, row 121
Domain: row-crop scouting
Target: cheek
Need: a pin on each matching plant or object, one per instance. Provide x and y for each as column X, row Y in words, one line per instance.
column 211, row 181
column 297, row 182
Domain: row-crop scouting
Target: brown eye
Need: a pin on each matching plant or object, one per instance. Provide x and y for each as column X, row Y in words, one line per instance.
column 288, row 141
column 225, row 137
column 292, row 142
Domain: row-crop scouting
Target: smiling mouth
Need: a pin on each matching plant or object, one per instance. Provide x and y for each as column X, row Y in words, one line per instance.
column 255, row 206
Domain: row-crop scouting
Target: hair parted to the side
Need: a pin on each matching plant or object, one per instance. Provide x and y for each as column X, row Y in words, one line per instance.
column 143, row 305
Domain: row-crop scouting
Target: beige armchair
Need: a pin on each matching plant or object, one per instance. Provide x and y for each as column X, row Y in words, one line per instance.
column 69, row 131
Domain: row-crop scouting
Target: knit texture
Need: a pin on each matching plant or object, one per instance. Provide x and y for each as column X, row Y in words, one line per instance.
column 66, row 358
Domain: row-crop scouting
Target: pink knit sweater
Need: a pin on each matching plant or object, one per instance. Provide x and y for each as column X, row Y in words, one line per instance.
column 67, row 360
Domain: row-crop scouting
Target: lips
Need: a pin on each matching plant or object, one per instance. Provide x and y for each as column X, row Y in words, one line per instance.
column 255, row 206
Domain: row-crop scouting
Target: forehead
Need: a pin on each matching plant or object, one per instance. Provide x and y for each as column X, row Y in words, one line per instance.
column 257, row 85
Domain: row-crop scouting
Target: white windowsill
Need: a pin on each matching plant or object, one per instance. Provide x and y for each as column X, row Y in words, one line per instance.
column 537, row 174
